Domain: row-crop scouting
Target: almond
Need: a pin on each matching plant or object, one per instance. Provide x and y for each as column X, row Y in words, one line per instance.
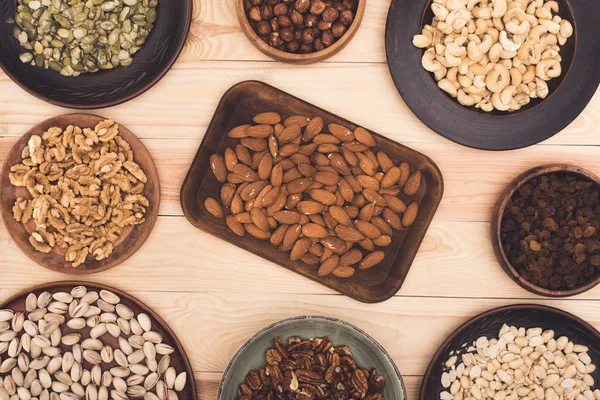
column 328, row 148
column 395, row 204
column 255, row 231
column 242, row 154
column 329, row 265
column 300, row 249
column 350, row 157
column 289, row 133
column 301, row 159
column 310, row 259
column 334, row 244
column 238, row 132
column 413, row 184
column 277, row 176
column 391, row 177
column 299, row 120
column 291, row 235
column 270, row 197
column 326, row 178
column 237, row 204
column 322, row 196
column 404, row 173
column 227, row 193
column 340, row 215
column 310, row 207
column 314, row 231
column 260, row 131
column 230, row 159
column 273, row 146
column 366, row 213
column 278, row 234
column 299, row 185
column 369, row 182
column 374, row 197
column 269, row 118
column 330, row 222
column 355, row 147
column 367, row 244
column 363, row 136
column 250, row 191
column 352, row 211
column 351, row 257
column 307, row 170
column 371, row 259
column 410, row 214
column 217, row 165
column 366, row 164
column 384, row 161
column 286, row 217
column 308, row 149
column 344, row 272
column 314, row 127
column 392, row 218
column 243, row 218
column 325, row 138
column 254, row 144
column 339, row 164
column 348, row 233
column 382, row 241
column 292, row 201
column 265, row 166
column 213, row 207
column 260, row 219
column 383, row 226
column 277, row 205
column 258, row 201
column 341, row 132
column 278, row 129
column 367, row 229
column 345, row 190
column 235, row 226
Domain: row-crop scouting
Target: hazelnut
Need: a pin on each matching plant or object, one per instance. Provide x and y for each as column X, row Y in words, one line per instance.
column 306, row 48
column 318, row 44
column 275, row 40
column 256, row 2
column 274, row 25
column 298, row 35
column 297, row 18
column 272, row 2
column 286, row 34
column 280, row 9
column 308, row 36
column 263, row 28
column 293, row 46
column 311, row 20
column 266, row 11
column 317, row 7
column 339, row 6
column 302, row 6
column 284, row 21
column 254, row 14
column 327, row 38
column 350, row 4
column 330, row 14
column 338, row 30
column 323, row 26
column 346, row 17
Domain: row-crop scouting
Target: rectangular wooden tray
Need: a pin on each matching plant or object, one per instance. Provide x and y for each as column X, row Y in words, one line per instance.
column 238, row 105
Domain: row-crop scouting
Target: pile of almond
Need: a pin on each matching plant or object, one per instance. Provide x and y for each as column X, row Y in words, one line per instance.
column 322, row 193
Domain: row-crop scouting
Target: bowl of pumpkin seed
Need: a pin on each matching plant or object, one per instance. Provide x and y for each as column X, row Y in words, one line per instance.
column 87, row 54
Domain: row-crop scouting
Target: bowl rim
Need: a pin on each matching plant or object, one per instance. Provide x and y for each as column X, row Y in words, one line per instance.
column 124, row 99
column 476, row 319
column 498, row 215
column 284, row 56
column 322, row 318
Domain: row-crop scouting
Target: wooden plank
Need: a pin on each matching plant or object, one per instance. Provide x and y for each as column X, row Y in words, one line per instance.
column 182, row 104
column 180, row 258
column 473, row 179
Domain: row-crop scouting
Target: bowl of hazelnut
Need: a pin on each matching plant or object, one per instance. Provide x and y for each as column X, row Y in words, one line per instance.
column 300, row 31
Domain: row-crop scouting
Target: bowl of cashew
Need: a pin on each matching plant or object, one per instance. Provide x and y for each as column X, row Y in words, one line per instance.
column 494, row 74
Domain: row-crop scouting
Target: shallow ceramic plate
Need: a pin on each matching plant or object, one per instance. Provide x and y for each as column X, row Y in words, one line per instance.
column 521, row 315
column 366, row 352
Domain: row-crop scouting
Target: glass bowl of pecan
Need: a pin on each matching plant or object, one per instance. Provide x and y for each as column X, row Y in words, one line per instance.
column 311, row 357
column 300, row 31
column 546, row 230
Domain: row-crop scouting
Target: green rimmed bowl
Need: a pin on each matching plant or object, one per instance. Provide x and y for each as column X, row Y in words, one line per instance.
column 366, row 352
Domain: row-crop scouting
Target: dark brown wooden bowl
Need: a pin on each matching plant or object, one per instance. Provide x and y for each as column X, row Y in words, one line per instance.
column 237, row 107
column 496, row 227
column 133, row 237
column 538, row 121
column 179, row 359
column 105, row 88
column 310, row 58
column 521, row 315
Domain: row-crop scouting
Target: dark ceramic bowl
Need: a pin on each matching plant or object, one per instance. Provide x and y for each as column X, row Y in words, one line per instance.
column 496, row 227
column 366, row 352
column 541, row 119
column 104, row 88
column 523, row 315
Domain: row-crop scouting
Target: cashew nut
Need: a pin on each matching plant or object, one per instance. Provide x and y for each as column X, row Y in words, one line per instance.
column 440, row 73
column 516, row 77
column 482, row 12
column 530, row 52
column 536, row 32
column 498, row 104
column 465, row 99
column 507, row 94
column 500, row 7
column 498, row 79
column 522, row 99
column 448, row 87
column 542, row 88
column 552, row 26
column 472, row 3
column 507, row 44
column 548, row 69
column 485, row 105
column 529, row 75
column 429, row 62
column 464, row 81
column 522, row 28
column 440, row 11
column 422, row 41
column 547, row 40
column 494, row 53
column 566, row 29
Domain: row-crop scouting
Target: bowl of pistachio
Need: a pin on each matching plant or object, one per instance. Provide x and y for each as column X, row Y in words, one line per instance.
column 92, row 54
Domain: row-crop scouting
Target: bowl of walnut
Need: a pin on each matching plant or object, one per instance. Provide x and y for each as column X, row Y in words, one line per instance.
column 79, row 193
column 300, row 31
column 311, row 357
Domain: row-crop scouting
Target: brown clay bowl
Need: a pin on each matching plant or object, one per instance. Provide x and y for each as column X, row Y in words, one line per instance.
column 104, row 88
column 133, row 237
column 541, row 119
column 522, row 315
column 179, row 359
column 498, row 214
column 294, row 58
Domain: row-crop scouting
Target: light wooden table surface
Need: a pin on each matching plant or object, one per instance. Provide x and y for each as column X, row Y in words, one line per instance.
column 215, row 295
